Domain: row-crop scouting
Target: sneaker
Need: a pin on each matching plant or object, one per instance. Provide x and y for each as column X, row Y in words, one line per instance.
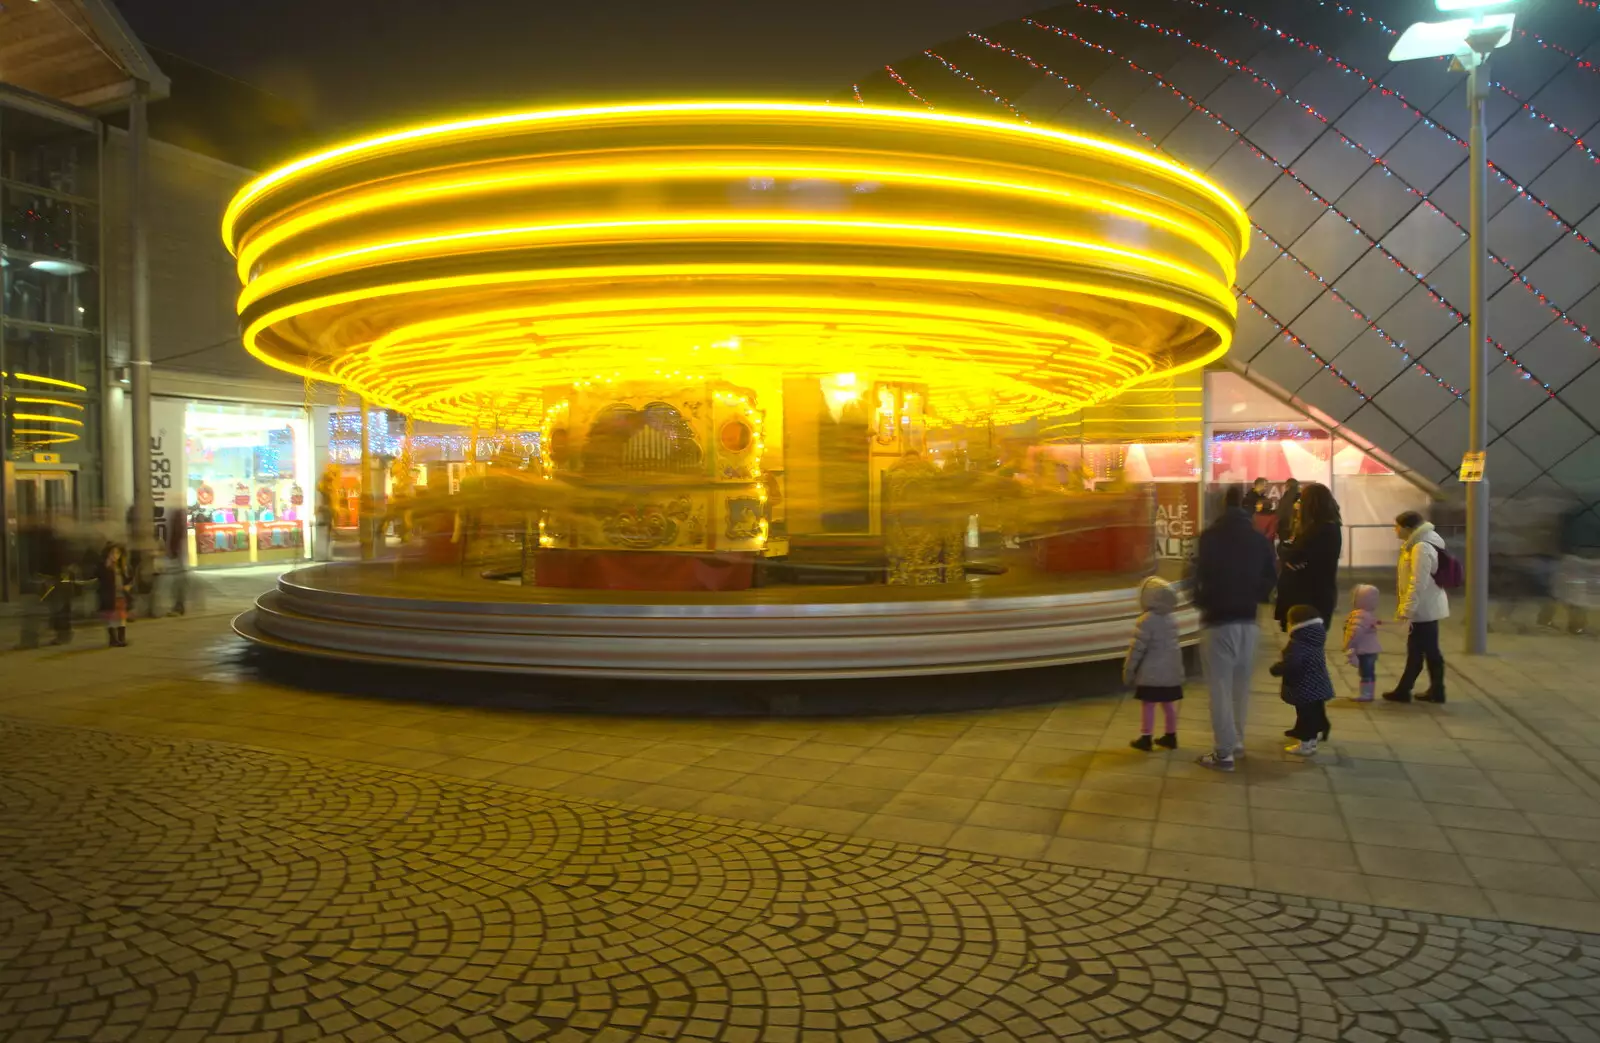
column 1141, row 743
column 1306, row 748
column 1238, row 751
column 1215, row 763
column 1168, row 741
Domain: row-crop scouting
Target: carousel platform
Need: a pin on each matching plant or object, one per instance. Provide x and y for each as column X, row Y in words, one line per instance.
column 440, row 618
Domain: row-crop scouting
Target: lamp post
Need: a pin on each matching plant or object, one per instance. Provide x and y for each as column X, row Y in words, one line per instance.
column 1468, row 42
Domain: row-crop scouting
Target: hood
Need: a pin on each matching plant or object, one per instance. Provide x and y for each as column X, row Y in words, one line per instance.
column 1156, row 595
column 1311, row 630
column 1365, row 597
column 1424, row 534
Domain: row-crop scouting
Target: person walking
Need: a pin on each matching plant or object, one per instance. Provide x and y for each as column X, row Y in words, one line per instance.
column 1234, row 575
column 1422, row 604
column 1258, row 500
column 1154, row 664
column 1285, row 510
column 1308, row 563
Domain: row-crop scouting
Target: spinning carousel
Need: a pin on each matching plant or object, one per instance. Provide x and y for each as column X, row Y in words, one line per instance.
column 758, row 342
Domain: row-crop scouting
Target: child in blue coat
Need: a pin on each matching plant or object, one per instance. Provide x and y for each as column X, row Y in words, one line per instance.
column 1306, row 683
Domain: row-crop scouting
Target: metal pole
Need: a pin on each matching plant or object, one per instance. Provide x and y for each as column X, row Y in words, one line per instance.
column 1477, row 557
column 141, row 533
column 367, row 506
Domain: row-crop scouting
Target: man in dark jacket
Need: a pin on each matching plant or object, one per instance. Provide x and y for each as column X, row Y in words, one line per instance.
column 1234, row 575
column 1258, row 500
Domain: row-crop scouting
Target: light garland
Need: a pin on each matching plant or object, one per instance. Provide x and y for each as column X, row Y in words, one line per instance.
column 1261, row 231
column 1285, row 171
column 1241, row 67
column 1004, row 103
column 1522, row 103
column 1389, row 92
column 901, row 81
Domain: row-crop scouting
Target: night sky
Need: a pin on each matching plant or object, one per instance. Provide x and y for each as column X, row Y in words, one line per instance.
column 355, row 63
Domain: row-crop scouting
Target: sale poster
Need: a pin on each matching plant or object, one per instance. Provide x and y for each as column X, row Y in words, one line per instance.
column 1177, row 527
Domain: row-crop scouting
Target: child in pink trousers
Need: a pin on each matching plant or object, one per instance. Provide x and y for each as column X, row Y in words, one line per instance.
column 1361, row 638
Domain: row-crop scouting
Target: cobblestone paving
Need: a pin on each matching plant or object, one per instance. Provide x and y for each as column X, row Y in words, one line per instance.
column 158, row 889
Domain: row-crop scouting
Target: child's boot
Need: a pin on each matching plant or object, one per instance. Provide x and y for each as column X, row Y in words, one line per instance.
column 1168, row 741
column 1368, row 688
column 122, row 637
column 1141, row 743
column 111, row 637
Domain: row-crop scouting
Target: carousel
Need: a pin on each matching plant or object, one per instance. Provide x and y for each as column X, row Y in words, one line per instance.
column 765, row 349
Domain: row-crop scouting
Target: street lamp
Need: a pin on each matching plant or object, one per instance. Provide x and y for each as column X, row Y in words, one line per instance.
column 1468, row 42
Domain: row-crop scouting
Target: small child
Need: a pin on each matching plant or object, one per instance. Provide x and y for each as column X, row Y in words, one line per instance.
column 1306, row 684
column 115, row 593
column 1361, row 638
column 1155, row 663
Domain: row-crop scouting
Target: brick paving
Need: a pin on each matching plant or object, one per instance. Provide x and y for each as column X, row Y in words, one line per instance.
column 175, row 889
column 183, row 839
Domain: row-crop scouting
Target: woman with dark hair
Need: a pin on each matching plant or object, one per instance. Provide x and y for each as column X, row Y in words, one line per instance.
column 1308, row 560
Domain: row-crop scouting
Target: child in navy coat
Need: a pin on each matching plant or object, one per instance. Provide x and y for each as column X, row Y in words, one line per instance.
column 1306, row 684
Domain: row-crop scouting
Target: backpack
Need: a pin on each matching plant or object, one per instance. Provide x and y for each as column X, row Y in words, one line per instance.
column 1448, row 574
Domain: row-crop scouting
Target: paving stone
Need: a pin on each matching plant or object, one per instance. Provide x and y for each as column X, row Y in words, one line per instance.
column 265, row 894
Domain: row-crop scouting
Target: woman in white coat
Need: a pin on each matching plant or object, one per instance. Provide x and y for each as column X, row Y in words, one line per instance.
column 1422, row 604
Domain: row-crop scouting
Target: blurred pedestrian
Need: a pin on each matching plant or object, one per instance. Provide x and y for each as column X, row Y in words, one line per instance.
column 1234, row 574
column 1154, row 664
column 1423, row 603
column 1285, row 510
column 1257, row 500
column 115, row 593
column 1306, row 684
column 1308, row 563
column 175, row 566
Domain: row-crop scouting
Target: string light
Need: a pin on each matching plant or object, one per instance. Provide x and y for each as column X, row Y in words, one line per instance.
column 996, row 98
column 1389, row 92
column 1548, row 121
column 1282, row 329
column 1283, row 251
column 1241, row 67
column 1283, row 171
column 901, row 81
column 855, row 88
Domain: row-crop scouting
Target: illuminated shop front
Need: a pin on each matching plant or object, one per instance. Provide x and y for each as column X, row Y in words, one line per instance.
column 242, row 476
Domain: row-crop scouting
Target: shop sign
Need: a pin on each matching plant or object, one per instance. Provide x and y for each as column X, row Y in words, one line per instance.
column 1472, row 467
column 47, row 458
column 1177, row 519
column 168, row 478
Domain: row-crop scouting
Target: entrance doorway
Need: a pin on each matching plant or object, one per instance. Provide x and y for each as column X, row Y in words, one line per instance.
column 39, row 500
column 45, row 494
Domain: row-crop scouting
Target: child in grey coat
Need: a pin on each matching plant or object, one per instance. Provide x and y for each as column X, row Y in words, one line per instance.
column 1154, row 665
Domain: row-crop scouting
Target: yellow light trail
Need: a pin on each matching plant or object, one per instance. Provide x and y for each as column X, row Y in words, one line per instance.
column 503, row 122
column 476, row 266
